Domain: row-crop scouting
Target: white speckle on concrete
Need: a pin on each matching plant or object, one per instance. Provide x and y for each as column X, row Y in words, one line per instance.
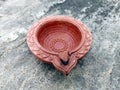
column 9, row 37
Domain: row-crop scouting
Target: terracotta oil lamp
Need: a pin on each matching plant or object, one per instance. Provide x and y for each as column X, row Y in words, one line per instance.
column 59, row 40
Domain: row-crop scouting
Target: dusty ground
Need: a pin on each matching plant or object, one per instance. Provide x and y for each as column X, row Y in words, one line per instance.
column 99, row 70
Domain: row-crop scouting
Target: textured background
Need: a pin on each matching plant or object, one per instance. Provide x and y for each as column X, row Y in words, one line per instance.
column 98, row 70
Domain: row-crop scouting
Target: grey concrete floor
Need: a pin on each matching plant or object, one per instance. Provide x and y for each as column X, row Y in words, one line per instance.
column 98, row 70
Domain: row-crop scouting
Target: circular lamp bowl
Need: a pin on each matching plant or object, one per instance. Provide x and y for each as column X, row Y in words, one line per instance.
column 60, row 40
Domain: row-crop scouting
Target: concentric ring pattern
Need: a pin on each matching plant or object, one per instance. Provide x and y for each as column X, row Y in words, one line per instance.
column 63, row 32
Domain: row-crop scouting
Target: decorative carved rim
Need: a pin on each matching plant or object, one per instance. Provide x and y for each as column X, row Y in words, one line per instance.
column 50, row 57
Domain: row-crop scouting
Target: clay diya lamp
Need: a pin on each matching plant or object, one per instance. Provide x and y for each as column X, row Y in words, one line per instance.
column 59, row 40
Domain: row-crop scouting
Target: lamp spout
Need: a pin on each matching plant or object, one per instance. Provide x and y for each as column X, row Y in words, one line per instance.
column 64, row 57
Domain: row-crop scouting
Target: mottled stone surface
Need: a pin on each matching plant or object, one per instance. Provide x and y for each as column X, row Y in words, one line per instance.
column 98, row 70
